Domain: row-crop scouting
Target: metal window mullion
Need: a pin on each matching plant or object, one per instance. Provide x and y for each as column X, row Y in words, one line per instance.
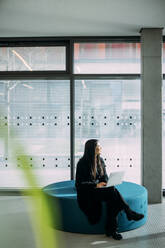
column 107, row 39
column 9, row 41
column 162, row 117
column 63, row 76
column 33, row 75
column 106, row 76
column 72, row 113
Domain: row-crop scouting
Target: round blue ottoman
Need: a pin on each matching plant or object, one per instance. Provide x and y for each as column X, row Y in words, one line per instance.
column 74, row 220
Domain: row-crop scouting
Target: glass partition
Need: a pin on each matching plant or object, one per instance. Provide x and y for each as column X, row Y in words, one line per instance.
column 3, row 121
column 39, row 114
column 109, row 110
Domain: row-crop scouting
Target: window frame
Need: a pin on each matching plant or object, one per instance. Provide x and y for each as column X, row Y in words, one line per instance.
column 41, row 43
column 68, row 74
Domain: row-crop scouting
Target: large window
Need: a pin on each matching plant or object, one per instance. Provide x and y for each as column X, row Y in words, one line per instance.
column 56, row 97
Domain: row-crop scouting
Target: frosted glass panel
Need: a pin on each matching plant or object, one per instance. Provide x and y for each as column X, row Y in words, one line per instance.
column 3, row 121
column 39, row 113
column 109, row 110
column 107, row 58
column 32, row 58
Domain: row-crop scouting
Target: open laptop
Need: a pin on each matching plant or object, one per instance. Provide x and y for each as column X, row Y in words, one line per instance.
column 115, row 178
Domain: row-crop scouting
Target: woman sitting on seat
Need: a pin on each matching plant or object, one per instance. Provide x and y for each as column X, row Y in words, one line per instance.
column 91, row 177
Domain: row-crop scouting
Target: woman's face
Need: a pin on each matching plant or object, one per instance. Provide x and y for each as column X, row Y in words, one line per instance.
column 98, row 149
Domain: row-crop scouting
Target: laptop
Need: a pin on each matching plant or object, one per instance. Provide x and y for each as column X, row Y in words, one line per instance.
column 115, row 178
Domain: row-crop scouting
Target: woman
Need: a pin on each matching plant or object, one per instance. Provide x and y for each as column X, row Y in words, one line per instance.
column 91, row 177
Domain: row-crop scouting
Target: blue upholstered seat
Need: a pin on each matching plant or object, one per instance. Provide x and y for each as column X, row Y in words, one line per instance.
column 74, row 220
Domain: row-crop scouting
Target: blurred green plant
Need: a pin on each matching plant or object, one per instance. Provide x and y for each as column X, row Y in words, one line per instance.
column 41, row 216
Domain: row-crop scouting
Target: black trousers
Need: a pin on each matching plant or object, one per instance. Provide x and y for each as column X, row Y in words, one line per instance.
column 114, row 204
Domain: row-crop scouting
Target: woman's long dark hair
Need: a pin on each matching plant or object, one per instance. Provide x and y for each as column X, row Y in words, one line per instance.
column 89, row 157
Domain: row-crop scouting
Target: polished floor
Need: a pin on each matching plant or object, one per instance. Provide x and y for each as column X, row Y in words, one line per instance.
column 16, row 229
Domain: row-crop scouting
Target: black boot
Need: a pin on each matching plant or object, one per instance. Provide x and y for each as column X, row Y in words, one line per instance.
column 115, row 235
column 131, row 215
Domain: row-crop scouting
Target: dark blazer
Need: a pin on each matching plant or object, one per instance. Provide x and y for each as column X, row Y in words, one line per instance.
column 85, row 185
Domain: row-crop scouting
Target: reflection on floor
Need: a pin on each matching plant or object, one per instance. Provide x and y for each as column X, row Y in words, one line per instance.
column 16, row 230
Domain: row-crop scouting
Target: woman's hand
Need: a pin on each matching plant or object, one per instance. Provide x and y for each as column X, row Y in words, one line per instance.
column 102, row 184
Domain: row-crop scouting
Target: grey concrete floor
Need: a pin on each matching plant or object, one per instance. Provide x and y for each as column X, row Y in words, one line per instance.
column 16, row 229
